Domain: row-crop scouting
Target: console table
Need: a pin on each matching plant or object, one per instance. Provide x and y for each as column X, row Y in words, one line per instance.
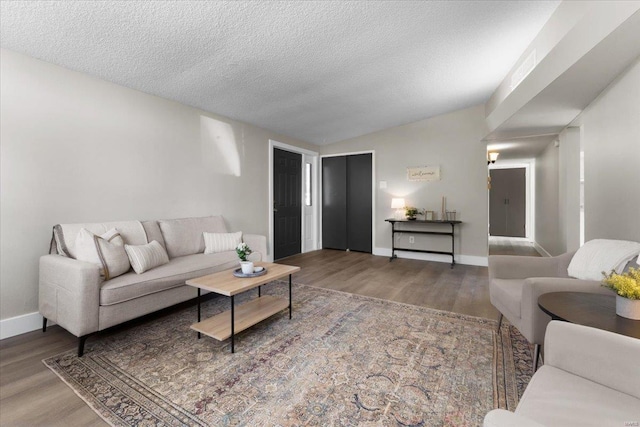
column 422, row 222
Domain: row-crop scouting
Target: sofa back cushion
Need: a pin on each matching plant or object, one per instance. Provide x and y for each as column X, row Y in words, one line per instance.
column 152, row 228
column 132, row 232
column 184, row 236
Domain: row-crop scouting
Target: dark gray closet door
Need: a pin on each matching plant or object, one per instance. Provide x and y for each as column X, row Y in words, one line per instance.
column 507, row 202
column 359, row 201
column 334, row 202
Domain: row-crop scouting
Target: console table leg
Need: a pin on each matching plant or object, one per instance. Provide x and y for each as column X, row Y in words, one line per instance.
column 290, row 303
column 232, row 325
column 199, row 335
column 44, row 324
column 453, row 246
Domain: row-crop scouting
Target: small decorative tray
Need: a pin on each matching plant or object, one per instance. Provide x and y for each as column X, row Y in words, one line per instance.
column 257, row 271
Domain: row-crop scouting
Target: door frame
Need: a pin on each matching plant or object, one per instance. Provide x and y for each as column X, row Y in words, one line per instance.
column 529, row 190
column 307, row 156
column 373, row 194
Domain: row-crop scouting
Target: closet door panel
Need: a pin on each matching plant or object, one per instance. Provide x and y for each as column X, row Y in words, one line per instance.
column 334, row 203
column 359, row 201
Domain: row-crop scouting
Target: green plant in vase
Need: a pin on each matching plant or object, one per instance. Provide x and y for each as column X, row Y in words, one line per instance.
column 410, row 212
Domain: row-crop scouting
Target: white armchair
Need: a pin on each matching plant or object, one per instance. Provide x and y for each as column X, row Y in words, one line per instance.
column 516, row 282
column 590, row 377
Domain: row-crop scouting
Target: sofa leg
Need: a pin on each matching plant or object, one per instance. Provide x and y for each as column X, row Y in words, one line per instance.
column 81, row 341
column 499, row 323
column 536, row 357
column 44, row 324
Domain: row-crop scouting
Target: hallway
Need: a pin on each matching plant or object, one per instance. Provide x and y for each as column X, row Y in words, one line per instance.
column 499, row 245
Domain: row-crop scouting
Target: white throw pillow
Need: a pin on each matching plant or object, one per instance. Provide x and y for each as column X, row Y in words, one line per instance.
column 221, row 242
column 601, row 255
column 106, row 251
column 146, row 257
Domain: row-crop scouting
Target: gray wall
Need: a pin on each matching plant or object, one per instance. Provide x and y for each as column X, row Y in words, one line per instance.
column 569, row 188
column 611, row 141
column 451, row 141
column 547, row 232
column 78, row 149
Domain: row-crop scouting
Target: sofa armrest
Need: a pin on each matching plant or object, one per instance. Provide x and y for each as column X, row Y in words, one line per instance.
column 533, row 287
column 69, row 293
column 521, row 267
column 504, row 418
column 600, row 356
column 258, row 245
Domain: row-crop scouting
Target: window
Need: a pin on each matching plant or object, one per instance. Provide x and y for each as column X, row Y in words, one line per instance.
column 307, row 184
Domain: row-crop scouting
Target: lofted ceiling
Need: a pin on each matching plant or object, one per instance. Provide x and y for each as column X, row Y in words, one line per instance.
column 320, row 71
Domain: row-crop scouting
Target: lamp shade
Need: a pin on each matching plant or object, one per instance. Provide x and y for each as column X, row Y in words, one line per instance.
column 397, row 203
column 493, row 156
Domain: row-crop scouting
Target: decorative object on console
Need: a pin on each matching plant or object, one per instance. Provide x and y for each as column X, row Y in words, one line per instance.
column 243, row 250
column 398, row 205
column 627, row 289
column 410, row 212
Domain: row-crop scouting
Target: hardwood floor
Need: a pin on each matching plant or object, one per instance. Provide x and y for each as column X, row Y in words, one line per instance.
column 511, row 246
column 31, row 395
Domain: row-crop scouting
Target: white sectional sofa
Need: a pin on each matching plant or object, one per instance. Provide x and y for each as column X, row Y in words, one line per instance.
column 74, row 295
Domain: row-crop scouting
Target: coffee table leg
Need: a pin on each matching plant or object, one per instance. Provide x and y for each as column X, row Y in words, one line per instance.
column 232, row 325
column 259, row 291
column 290, row 305
column 198, row 310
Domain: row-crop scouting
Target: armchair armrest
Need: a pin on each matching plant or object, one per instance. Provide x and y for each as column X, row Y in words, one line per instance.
column 521, row 267
column 600, row 356
column 69, row 293
column 258, row 245
column 535, row 286
column 504, row 418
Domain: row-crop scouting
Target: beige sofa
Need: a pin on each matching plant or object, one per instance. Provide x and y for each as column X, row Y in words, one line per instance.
column 590, row 378
column 74, row 295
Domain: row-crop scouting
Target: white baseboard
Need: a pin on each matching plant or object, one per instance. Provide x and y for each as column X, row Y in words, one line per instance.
column 460, row 259
column 541, row 250
column 21, row 324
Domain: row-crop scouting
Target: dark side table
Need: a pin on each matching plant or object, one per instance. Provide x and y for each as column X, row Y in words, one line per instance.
column 595, row 310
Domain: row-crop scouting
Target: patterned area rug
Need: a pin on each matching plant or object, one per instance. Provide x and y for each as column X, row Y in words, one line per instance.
column 342, row 360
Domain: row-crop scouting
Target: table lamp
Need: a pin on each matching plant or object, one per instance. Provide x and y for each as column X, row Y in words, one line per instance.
column 398, row 204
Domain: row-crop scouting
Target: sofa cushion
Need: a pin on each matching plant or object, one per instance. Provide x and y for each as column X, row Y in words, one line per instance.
column 106, row 251
column 152, row 229
column 221, row 242
column 184, row 236
column 145, row 257
column 132, row 233
column 167, row 276
column 506, row 294
column 557, row 398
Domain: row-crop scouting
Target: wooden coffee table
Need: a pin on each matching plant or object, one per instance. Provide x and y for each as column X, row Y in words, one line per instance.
column 595, row 310
column 228, row 323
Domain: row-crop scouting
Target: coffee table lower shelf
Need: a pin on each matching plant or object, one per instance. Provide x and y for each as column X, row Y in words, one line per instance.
column 245, row 316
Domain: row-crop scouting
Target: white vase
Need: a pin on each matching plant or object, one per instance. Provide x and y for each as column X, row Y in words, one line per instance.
column 247, row 267
column 629, row 308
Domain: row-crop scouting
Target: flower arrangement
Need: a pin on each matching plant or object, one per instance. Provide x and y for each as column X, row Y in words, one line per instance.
column 627, row 285
column 243, row 250
column 410, row 212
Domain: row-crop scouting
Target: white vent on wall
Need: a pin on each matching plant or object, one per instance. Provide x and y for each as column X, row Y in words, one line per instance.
column 523, row 70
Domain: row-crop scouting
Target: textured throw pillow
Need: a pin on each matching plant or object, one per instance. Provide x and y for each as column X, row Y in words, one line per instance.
column 221, row 242
column 602, row 255
column 106, row 251
column 146, row 257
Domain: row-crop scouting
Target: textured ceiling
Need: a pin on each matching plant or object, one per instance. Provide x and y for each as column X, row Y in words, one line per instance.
column 319, row 71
